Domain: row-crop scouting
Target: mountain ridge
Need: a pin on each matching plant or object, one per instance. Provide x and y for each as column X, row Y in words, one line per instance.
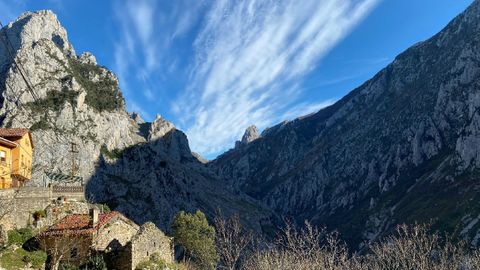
column 80, row 102
column 402, row 147
column 358, row 160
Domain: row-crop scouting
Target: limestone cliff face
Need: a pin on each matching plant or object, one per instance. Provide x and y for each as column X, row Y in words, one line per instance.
column 145, row 170
column 403, row 147
column 78, row 100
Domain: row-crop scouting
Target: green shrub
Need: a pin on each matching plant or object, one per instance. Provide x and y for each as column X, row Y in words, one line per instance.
column 19, row 258
column 102, row 207
column 155, row 262
column 197, row 237
column 39, row 214
column 102, row 95
column 40, row 125
column 95, row 262
column 19, row 236
column 114, row 154
column 53, row 101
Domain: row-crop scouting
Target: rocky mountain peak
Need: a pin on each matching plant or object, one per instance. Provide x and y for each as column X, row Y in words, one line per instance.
column 251, row 134
column 75, row 100
column 137, row 118
column 79, row 101
column 159, row 128
column 88, row 58
column 31, row 27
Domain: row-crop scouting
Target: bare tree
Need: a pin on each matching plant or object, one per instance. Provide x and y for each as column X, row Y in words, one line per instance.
column 7, row 206
column 61, row 249
column 231, row 240
column 411, row 247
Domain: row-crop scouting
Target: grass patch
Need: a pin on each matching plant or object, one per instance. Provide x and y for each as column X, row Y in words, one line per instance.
column 155, row 262
column 113, row 154
column 19, row 236
column 17, row 259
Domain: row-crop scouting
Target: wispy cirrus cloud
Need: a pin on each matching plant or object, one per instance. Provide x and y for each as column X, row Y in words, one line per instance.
column 233, row 63
column 143, row 49
column 249, row 55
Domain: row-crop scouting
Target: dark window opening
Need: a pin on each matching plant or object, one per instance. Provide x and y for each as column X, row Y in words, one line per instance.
column 73, row 253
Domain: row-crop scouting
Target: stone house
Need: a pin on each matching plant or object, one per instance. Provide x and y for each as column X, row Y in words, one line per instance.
column 16, row 152
column 148, row 241
column 119, row 240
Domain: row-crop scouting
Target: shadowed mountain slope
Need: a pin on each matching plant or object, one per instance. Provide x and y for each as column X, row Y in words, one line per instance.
column 403, row 147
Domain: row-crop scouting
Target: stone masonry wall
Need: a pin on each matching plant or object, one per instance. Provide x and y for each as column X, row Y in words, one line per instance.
column 21, row 203
column 115, row 234
column 148, row 241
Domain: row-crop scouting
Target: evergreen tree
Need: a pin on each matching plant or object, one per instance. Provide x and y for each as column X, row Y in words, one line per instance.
column 197, row 237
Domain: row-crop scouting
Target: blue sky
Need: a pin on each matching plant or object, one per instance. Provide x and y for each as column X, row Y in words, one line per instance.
column 215, row 67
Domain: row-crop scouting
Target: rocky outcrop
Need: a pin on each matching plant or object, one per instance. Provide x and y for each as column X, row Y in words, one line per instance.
column 251, row 134
column 145, row 170
column 153, row 181
column 402, row 147
column 77, row 100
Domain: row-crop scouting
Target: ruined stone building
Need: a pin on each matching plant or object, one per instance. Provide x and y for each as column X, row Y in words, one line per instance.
column 119, row 240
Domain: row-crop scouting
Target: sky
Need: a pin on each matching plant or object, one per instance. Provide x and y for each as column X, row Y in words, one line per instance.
column 215, row 67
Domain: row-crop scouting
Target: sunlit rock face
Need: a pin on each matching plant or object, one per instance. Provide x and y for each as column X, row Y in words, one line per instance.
column 77, row 102
column 146, row 170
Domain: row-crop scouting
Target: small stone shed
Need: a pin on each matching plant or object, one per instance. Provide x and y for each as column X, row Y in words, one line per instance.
column 148, row 241
column 119, row 240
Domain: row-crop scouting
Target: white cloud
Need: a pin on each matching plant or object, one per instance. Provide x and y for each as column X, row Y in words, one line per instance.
column 249, row 55
column 248, row 62
column 303, row 109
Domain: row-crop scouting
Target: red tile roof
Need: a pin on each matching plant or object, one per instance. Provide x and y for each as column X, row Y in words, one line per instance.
column 79, row 224
column 13, row 132
column 7, row 143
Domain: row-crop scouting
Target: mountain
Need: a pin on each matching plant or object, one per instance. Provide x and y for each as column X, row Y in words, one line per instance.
column 402, row 147
column 77, row 102
column 146, row 170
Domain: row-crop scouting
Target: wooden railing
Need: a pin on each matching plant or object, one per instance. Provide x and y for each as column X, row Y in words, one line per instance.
column 67, row 189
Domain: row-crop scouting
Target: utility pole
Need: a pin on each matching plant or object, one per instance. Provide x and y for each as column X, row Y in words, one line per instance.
column 74, row 152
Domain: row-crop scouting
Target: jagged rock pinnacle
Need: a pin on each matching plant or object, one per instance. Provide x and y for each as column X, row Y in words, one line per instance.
column 251, row 134
column 159, row 128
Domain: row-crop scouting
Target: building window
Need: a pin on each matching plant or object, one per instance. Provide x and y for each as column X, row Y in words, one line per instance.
column 73, row 253
column 3, row 155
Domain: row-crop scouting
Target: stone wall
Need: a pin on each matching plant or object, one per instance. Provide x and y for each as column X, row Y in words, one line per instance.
column 115, row 234
column 23, row 202
column 151, row 240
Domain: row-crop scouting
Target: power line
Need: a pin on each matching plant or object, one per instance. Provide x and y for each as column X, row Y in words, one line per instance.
column 10, row 50
column 17, row 64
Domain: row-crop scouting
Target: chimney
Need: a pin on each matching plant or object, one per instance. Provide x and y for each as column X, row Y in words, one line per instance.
column 94, row 216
